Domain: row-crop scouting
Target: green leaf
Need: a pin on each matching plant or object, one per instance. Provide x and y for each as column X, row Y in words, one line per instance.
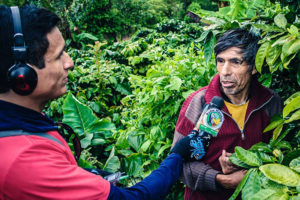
column 295, row 164
column 277, row 131
column 241, row 185
column 247, row 157
column 291, row 98
column 280, row 20
column 262, row 147
column 268, row 28
column 294, row 104
column 112, row 163
column 81, row 118
column 281, row 195
column 294, row 31
column 209, row 46
column 274, row 124
column 86, row 141
column 145, row 146
column 261, row 54
column 234, row 159
column 263, row 194
column 273, row 54
column 295, row 47
column 163, row 148
column 281, row 174
column 285, row 49
column 98, row 141
column 252, row 185
column 295, row 116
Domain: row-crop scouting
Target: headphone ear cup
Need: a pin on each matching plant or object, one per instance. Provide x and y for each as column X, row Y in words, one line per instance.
column 22, row 79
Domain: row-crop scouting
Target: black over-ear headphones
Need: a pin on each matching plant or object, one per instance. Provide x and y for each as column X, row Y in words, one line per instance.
column 21, row 77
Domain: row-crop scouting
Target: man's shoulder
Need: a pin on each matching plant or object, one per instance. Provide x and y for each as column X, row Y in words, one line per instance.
column 198, row 94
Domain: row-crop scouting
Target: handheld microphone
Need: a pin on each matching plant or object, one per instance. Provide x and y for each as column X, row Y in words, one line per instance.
column 212, row 117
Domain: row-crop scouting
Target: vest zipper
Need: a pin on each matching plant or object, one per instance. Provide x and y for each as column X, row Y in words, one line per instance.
column 242, row 130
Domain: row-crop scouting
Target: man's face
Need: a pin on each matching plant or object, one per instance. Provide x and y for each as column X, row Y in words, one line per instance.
column 52, row 79
column 234, row 73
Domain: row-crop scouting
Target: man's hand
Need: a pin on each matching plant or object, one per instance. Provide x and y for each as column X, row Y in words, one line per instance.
column 227, row 166
column 231, row 181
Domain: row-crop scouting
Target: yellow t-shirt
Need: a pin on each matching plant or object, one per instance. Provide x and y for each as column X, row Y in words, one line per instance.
column 238, row 112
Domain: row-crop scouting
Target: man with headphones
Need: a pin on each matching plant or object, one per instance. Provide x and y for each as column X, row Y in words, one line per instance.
column 35, row 160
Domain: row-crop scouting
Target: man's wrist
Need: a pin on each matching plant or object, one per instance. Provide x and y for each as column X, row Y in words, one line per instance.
column 221, row 180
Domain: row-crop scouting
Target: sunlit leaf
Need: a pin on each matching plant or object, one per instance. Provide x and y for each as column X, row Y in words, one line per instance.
column 241, row 185
column 281, row 174
column 294, row 104
column 295, row 164
column 280, row 20
column 260, row 56
column 247, row 157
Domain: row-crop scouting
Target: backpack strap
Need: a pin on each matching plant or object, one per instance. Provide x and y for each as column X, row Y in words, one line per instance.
column 10, row 133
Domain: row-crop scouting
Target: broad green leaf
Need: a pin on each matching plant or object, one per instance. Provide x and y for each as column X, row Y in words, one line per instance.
column 175, row 83
column 262, row 194
column 267, row 28
column 135, row 141
column 241, row 185
column 237, row 9
column 295, row 47
column 252, row 185
column 163, row 148
column 261, row 54
column 234, row 159
column 266, row 158
column 203, row 36
column 247, row 157
column 291, row 98
column 112, row 163
column 294, row 104
column 281, row 41
column 86, row 141
column 281, row 174
column 279, row 196
column 262, row 147
column 277, row 131
column 294, row 31
column 280, row 20
column 295, row 116
column 285, row 49
column 98, row 141
column 81, row 118
column 273, row 54
column 295, row 164
column 274, row 124
column 145, row 146
column 209, row 46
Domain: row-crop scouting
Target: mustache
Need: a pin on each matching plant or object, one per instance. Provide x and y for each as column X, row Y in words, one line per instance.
column 226, row 78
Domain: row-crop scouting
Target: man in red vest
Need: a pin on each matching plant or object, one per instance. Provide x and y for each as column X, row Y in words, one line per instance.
column 248, row 109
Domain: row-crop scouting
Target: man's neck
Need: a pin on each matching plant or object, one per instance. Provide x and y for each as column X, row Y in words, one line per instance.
column 25, row 101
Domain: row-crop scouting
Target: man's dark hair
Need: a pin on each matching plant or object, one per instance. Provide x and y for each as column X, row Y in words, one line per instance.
column 243, row 39
column 36, row 24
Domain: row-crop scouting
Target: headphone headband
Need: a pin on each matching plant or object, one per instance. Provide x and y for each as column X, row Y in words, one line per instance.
column 19, row 48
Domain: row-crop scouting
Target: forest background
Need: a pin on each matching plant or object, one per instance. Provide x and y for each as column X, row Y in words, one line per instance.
column 137, row 60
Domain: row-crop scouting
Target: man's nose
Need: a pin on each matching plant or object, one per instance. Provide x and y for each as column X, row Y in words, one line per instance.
column 226, row 69
column 68, row 62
